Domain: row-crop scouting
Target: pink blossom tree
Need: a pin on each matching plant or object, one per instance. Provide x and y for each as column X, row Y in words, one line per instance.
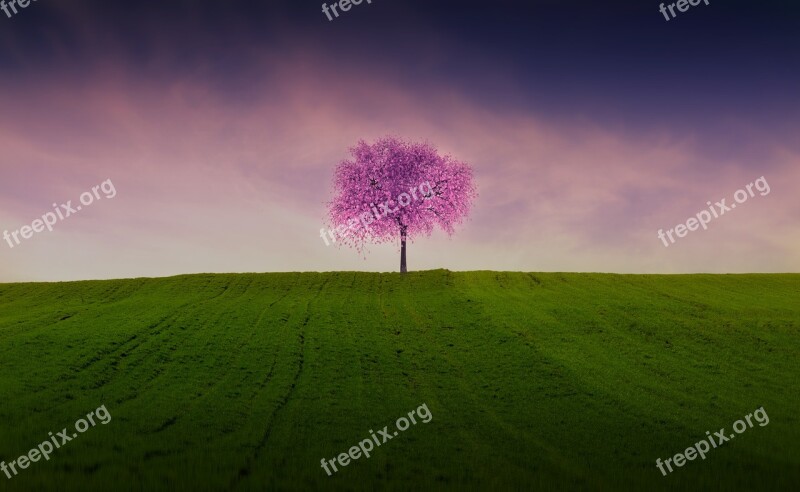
column 394, row 189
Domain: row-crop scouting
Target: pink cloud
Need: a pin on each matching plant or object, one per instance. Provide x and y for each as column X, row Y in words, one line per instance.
column 207, row 185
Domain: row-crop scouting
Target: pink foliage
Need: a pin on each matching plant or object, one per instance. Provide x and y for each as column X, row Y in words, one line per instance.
column 393, row 185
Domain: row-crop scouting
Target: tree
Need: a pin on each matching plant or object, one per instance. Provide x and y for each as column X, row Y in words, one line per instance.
column 394, row 189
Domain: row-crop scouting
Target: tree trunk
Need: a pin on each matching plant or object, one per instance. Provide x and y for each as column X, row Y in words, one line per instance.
column 403, row 268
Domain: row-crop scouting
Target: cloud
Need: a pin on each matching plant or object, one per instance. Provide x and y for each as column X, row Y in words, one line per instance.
column 208, row 185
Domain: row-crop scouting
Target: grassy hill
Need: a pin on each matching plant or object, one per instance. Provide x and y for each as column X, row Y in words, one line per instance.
column 534, row 381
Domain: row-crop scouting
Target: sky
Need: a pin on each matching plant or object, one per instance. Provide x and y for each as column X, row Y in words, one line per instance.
column 590, row 126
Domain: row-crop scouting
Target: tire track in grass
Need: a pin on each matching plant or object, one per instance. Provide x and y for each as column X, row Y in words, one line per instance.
column 219, row 382
column 490, row 412
column 146, row 335
column 235, row 295
column 468, row 382
column 247, row 468
column 167, row 319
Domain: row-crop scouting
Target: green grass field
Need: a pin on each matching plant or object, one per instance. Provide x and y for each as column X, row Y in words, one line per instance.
column 535, row 381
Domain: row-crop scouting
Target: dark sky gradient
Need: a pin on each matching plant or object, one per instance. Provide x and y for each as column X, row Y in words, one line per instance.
column 617, row 61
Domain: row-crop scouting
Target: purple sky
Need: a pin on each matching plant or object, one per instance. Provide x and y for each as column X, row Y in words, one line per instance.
column 589, row 129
